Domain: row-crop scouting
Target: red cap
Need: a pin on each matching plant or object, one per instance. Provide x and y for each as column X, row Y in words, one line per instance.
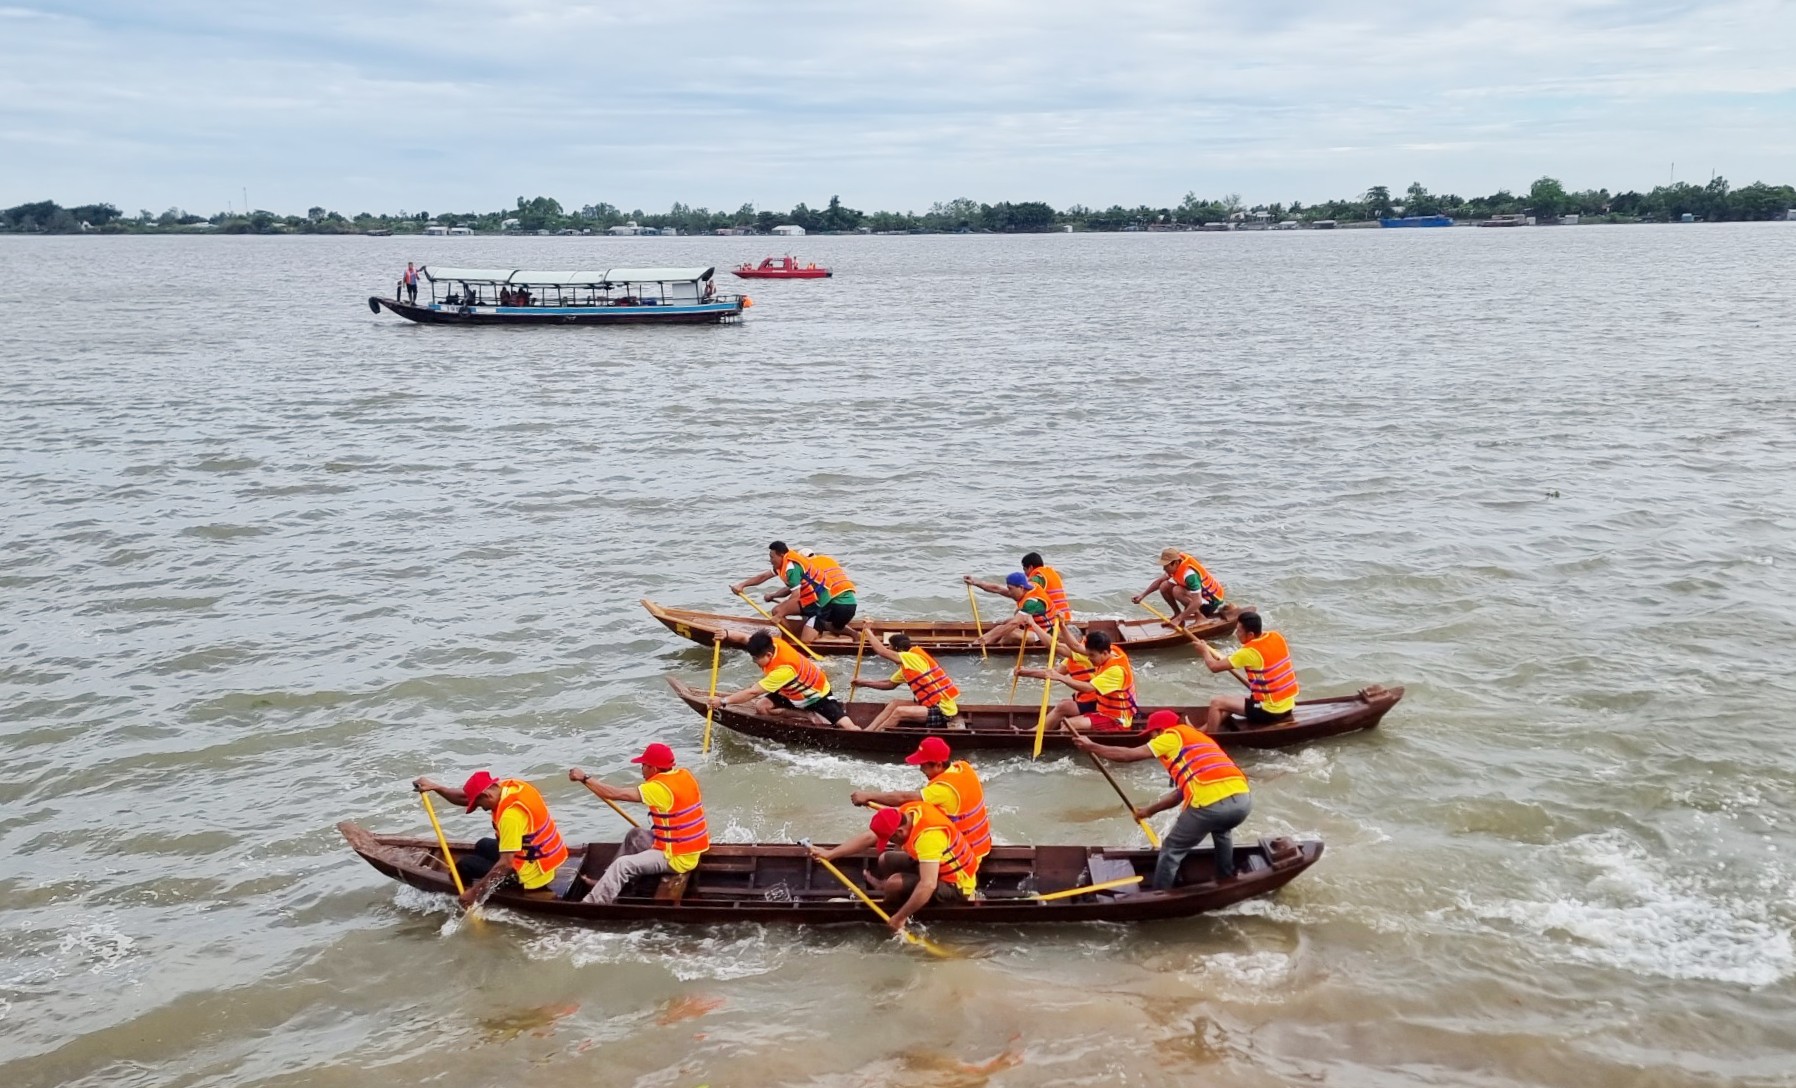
column 1162, row 719
column 932, row 750
column 656, row 755
column 478, row 783
column 884, row 822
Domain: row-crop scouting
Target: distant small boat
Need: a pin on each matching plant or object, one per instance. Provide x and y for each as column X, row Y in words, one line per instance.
column 1418, row 221
column 1505, row 221
column 616, row 296
column 379, row 232
column 781, row 268
column 1324, row 224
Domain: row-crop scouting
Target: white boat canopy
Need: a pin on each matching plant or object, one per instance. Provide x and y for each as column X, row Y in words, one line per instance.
column 535, row 278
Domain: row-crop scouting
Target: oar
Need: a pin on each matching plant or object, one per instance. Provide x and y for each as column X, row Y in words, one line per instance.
column 1119, row 882
column 716, row 659
column 448, row 858
column 631, row 819
column 1128, row 804
column 1167, row 620
column 1047, row 685
column 781, row 628
column 1014, row 675
column 914, row 938
column 978, row 628
column 859, row 649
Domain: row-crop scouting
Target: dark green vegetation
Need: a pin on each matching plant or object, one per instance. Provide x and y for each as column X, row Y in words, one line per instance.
column 1715, row 201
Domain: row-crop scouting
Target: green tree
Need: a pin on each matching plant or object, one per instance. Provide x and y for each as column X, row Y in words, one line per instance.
column 1378, row 201
column 1546, row 197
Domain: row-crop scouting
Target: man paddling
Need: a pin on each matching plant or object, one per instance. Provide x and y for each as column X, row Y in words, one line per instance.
column 1187, row 587
column 525, row 846
column 952, row 786
column 933, row 693
column 814, row 590
column 1059, row 607
column 792, row 686
column 1106, row 681
column 1032, row 603
column 677, row 836
column 922, row 859
column 1206, row 781
column 1271, row 679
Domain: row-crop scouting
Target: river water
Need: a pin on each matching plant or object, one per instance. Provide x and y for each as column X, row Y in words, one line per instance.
column 267, row 557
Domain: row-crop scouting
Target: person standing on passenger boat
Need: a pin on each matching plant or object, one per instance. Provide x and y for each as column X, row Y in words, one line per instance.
column 410, row 280
column 933, row 692
column 525, row 847
column 1187, row 587
column 676, row 838
column 1103, row 686
column 792, row 686
column 953, row 786
column 1031, row 602
column 1271, row 679
column 1209, row 785
column 922, row 859
column 814, row 589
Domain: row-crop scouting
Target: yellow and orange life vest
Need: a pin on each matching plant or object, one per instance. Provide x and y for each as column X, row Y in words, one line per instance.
column 1201, row 770
column 931, row 685
column 960, row 859
column 970, row 819
column 542, row 843
column 1058, row 606
column 681, row 829
column 808, row 682
column 1119, row 704
column 1275, row 679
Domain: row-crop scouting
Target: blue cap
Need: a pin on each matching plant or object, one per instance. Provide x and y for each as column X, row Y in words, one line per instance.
column 1017, row 579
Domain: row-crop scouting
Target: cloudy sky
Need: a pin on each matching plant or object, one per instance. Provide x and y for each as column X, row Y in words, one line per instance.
column 461, row 105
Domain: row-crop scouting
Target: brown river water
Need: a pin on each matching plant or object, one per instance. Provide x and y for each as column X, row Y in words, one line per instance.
column 267, row 557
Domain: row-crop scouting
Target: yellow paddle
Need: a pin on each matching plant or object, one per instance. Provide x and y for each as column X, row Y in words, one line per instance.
column 978, row 628
column 1119, row 882
column 1014, row 675
column 1047, row 685
column 1167, row 620
column 716, row 659
column 859, row 649
column 917, row 939
column 448, row 858
column 1128, row 804
column 781, row 628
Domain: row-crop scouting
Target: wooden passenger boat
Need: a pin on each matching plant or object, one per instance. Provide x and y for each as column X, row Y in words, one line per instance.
column 999, row 728
column 614, row 296
column 780, row 884
column 936, row 636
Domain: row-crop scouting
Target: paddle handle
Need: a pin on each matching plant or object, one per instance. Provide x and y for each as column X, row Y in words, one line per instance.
column 710, row 711
column 1196, row 642
column 1119, row 882
column 1152, row 838
column 781, row 628
column 920, row 942
column 448, row 858
column 859, row 649
column 1047, row 686
column 978, row 628
column 1014, row 675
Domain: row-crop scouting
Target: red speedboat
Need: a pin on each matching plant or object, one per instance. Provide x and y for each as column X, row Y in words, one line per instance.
column 781, row 268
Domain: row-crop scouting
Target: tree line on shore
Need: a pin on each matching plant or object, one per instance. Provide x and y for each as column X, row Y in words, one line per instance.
column 1546, row 198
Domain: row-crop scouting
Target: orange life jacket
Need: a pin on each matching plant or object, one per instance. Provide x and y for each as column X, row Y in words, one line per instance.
column 1200, row 762
column 807, row 593
column 932, row 685
column 1059, row 608
column 824, row 572
column 809, row 684
column 960, row 859
column 542, row 843
column 1037, row 593
column 681, row 829
column 1275, row 679
column 1119, row 704
column 1208, row 586
column 970, row 819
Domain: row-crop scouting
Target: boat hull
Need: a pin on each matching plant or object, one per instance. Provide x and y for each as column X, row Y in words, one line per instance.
column 710, row 313
column 779, row 884
column 997, row 728
column 936, row 636
column 801, row 274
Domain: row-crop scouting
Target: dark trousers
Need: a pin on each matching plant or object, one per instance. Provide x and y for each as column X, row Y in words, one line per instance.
column 1189, row 831
column 411, row 292
column 899, row 863
column 476, row 865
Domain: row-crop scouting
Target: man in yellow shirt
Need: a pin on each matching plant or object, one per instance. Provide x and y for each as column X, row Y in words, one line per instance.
column 922, row 859
column 525, row 846
column 933, row 693
column 953, row 786
column 1271, row 678
column 1103, row 683
column 792, row 686
column 678, row 835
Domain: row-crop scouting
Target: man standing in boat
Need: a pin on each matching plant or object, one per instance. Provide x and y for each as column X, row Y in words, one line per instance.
column 792, row 686
column 1187, row 587
column 410, row 280
column 933, row 692
column 953, row 786
column 525, row 847
column 1206, row 781
column 922, row 859
column 1271, row 679
column 1031, row 600
column 813, row 589
column 679, row 834
column 1103, row 682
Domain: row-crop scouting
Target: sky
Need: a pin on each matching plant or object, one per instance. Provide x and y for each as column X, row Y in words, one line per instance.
column 462, row 106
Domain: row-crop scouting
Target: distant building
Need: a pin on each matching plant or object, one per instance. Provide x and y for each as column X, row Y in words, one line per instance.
column 788, row 230
column 436, row 230
column 625, row 230
column 458, row 231
column 509, row 224
column 1790, row 215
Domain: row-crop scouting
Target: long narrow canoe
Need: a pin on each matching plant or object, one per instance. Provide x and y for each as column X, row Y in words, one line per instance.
column 1012, row 728
column 774, row 883
column 936, row 636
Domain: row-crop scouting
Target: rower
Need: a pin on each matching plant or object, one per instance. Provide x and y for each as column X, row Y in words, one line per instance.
column 835, row 600
column 1107, row 680
column 1059, row 608
column 1206, row 781
column 1187, row 587
column 953, row 786
column 931, row 862
column 933, row 693
column 1032, row 602
column 792, row 686
column 794, row 594
column 525, row 846
column 813, row 588
column 678, row 838
column 1271, row 679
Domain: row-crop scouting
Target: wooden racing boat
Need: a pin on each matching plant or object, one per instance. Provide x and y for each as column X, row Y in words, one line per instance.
column 774, row 883
column 1012, row 728
column 936, row 636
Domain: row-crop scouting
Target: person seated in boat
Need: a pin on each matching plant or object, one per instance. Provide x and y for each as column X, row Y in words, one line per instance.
column 1106, row 679
column 1206, row 782
column 525, row 846
column 675, row 839
column 933, row 694
column 1187, row 587
column 1032, row 605
column 922, row 859
column 1271, row 679
column 792, row 687
column 1059, row 607
column 952, row 786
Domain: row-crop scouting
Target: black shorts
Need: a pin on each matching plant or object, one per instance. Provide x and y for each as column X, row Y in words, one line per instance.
column 1086, row 708
column 832, row 617
column 1211, row 607
column 831, row 710
column 1256, row 715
